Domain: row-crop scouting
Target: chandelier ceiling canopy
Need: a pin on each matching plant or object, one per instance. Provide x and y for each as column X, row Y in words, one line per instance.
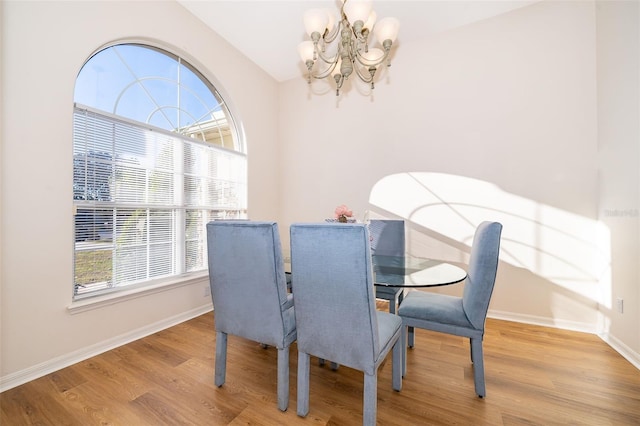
column 339, row 48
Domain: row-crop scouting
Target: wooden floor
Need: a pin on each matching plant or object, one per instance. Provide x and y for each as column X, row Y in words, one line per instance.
column 534, row 376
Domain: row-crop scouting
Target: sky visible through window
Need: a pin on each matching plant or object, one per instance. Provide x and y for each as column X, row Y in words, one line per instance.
column 145, row 85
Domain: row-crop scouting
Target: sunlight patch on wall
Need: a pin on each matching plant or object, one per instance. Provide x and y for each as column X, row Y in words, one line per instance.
column 562, row 247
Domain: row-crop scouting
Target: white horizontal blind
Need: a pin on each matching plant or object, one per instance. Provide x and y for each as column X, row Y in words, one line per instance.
column 143, row 197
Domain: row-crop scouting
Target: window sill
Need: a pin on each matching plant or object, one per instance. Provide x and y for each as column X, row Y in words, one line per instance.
column 97, row 302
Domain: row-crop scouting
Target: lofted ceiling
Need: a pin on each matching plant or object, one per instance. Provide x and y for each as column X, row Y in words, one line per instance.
column 268, row 31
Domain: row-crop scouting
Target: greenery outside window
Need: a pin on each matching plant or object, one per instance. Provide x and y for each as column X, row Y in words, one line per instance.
column 156, row 155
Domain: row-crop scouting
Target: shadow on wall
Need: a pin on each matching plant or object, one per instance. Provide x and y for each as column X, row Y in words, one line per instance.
column 567, row 250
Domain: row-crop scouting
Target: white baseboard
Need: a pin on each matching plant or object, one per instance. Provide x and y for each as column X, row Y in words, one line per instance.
column 544, row 321
column 622, row 349
column 617, row 345
column 20, row 377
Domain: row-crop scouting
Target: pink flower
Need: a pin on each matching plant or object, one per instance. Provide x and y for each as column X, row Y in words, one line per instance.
column 343, row 211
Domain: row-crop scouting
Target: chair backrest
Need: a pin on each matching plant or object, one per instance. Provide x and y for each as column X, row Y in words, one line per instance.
column 387, row 237
column 483, row 265
column 333, row 293
column 247, row 277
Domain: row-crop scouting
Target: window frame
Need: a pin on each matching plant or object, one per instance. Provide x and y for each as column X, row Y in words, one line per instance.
column 183, row 275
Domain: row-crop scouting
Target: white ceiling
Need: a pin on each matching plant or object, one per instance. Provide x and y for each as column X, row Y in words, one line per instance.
column 268, row 31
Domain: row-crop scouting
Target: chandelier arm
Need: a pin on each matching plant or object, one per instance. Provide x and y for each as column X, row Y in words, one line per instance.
column 367, row 79
column 367, row 63
column 326, row 73
column 362, row 47
column 327, row 59
column 328, row 38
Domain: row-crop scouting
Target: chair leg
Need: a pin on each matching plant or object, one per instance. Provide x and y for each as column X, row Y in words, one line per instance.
column 303, row 384
column 393, row 303
column 403, row 338
column 412, row 338
column 334, row 365
column 397, row 299
column 478, row 367
column 471, row 350
column 370, row 405
column 283, row 378
column 221, row 358
column 397, row 361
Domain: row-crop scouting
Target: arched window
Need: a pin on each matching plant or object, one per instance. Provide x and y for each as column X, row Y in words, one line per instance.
column 156, row 155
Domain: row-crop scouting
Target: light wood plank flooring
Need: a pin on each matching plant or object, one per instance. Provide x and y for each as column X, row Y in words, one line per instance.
column 534, row 375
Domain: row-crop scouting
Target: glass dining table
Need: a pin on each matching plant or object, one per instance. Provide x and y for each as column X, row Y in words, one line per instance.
column 408, row 272
column 414, row 272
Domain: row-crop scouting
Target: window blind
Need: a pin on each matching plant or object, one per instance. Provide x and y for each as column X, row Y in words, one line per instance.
column 142, row 199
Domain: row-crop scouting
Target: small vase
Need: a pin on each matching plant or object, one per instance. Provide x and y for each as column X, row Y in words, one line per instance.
column 342, row 219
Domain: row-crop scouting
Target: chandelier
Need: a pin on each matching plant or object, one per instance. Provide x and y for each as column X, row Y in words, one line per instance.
column 339, row 50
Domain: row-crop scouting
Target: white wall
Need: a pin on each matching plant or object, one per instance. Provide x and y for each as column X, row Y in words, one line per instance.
column 618, row 40
column 503, row 119
column 44, row 45
column 493, row 121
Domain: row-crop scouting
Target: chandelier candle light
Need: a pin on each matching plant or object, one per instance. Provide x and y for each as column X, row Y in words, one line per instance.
column 341, row 49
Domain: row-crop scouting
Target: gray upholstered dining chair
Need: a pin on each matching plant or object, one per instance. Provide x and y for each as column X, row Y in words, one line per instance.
column 249, row 292
column 387, row 239
column 462, row 316
column 336, row 314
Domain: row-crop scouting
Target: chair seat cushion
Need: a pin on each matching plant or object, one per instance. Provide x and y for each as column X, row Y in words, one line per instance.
column 433, row 307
